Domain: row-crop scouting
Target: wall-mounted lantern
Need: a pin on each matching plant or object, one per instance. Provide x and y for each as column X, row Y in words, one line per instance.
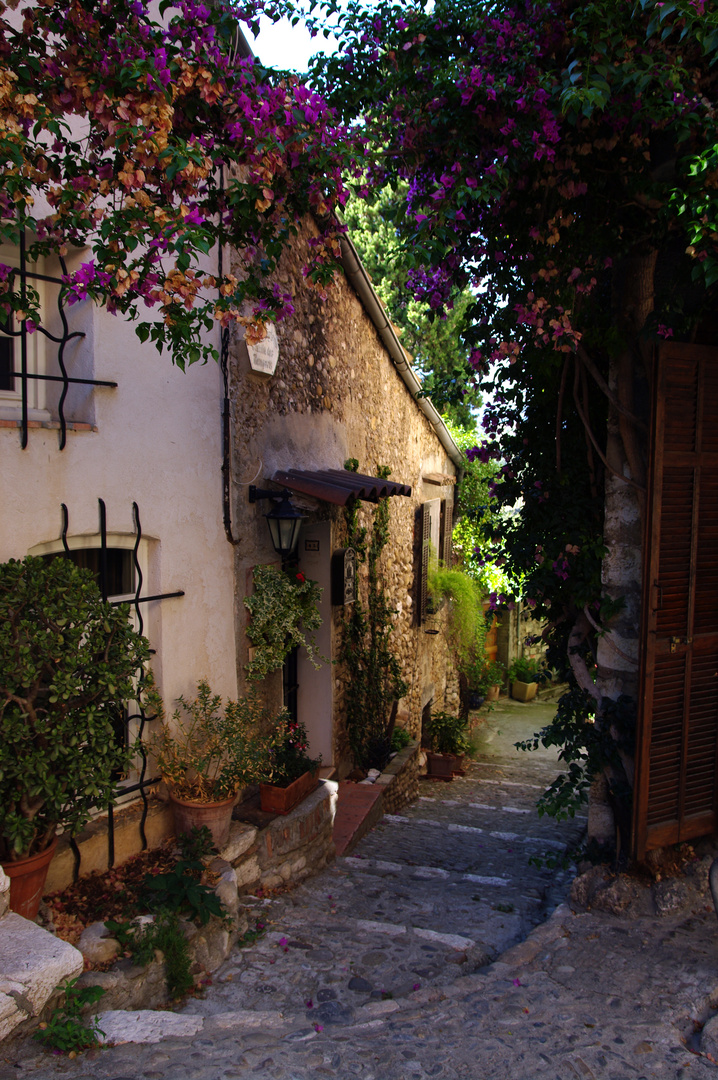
column 284, row 520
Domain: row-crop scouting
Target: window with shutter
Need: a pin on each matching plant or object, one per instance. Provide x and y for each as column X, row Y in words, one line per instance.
column 677, row 766
column 447, row 525
column 429, row 522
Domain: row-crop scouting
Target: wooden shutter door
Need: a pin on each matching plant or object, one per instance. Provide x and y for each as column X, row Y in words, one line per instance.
column 677, row 762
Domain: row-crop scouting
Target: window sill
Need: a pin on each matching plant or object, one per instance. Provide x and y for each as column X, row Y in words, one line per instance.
column 51, row 425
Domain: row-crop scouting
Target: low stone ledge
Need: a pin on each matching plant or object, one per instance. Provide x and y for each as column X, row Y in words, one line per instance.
column 286, row 850
column 400, row 779
column 32, row 963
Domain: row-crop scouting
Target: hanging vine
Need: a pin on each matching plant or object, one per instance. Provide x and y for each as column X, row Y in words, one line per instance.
column 375, row 677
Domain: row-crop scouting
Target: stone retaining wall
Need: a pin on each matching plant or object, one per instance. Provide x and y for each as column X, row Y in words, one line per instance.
column 400, row 779
column 286, row 850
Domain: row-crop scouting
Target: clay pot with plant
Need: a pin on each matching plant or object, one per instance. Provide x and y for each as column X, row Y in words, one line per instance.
column 68, row 661
column 294, row 773
column 524, row 677
column 209, row 752
column 492, row 679
column 449, row 742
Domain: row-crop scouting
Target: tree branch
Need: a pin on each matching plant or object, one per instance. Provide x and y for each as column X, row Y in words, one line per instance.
column 579, row 633
column 605, row 389
column 586, row 424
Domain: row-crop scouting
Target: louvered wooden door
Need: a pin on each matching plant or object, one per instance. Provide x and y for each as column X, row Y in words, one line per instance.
column 677, row 766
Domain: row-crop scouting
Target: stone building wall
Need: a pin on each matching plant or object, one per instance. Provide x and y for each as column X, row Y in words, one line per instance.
column 336, row 395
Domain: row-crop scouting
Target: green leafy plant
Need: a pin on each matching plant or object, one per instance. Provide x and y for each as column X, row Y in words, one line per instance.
column 376, row 682
column 252, row 934
column 65, row 1029
column 523, row 669
column 485, row 674
column 196, row 844
column 587, row 749
column 68, row 661
column 448, row 734
column 289, row 758
column 400, row 739
column 285, row 613
column 181, row 891
column 212, row 752
column 164, row 934
column 467, row 627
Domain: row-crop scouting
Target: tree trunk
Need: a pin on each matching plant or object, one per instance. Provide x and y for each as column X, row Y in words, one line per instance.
column 625, row 503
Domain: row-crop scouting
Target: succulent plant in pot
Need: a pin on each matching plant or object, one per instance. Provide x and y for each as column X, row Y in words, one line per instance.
column 68, row 661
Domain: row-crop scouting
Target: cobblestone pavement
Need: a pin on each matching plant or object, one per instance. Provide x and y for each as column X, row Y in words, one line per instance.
column 426, row 953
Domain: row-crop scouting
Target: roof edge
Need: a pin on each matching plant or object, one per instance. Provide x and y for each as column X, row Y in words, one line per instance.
column 361, row 283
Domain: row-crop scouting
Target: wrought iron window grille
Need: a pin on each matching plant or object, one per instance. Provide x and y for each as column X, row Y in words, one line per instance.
column 24, row 375
column 144, row 783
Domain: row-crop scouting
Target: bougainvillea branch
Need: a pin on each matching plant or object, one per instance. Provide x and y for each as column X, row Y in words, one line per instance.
column 559, row 162
column 145, row 142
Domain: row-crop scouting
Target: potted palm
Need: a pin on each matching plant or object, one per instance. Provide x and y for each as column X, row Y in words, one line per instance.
column 524, row 676
column 68, row 661
column 449, row 742
column 209, row 753
column 294, row 773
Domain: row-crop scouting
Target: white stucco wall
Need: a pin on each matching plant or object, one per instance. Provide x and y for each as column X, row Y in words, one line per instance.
column 155, row 440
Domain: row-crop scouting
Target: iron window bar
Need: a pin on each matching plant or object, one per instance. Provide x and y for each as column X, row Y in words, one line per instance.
column 23, row 374
column 143, row 783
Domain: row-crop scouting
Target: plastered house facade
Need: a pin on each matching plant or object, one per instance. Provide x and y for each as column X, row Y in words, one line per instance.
column 141, row 473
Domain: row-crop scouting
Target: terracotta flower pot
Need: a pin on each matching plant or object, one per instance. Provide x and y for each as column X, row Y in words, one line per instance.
column 523, row 691
column 27, row 881
column 280, row 800
column 444, row 765
column 216, row 816
column 492, row 694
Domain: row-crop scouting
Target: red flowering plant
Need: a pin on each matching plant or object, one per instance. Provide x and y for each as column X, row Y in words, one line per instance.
column 290, row 760
column 150, row 141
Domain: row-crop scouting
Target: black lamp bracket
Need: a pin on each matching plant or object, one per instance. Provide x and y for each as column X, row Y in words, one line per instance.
column 257, row 494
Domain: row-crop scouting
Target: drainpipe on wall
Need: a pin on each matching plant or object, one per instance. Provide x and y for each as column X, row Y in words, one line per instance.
column 361, row 283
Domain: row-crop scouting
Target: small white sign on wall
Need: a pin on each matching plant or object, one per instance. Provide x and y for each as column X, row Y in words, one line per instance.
column 264, row 355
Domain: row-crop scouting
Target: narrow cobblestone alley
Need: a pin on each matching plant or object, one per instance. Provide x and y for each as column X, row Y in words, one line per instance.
column 408, row 959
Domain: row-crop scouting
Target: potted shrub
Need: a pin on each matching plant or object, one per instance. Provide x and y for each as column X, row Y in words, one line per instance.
column 494, row 675
column 524, row 676
column 294, row 773
column 207, row 755
column 449, row 742
column 68, row 661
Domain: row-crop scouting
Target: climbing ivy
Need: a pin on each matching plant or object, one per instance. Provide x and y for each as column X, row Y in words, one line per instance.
column 375, row 675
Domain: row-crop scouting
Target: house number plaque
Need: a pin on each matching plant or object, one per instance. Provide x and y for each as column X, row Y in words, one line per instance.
column 344, row 576
column 264, row 355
